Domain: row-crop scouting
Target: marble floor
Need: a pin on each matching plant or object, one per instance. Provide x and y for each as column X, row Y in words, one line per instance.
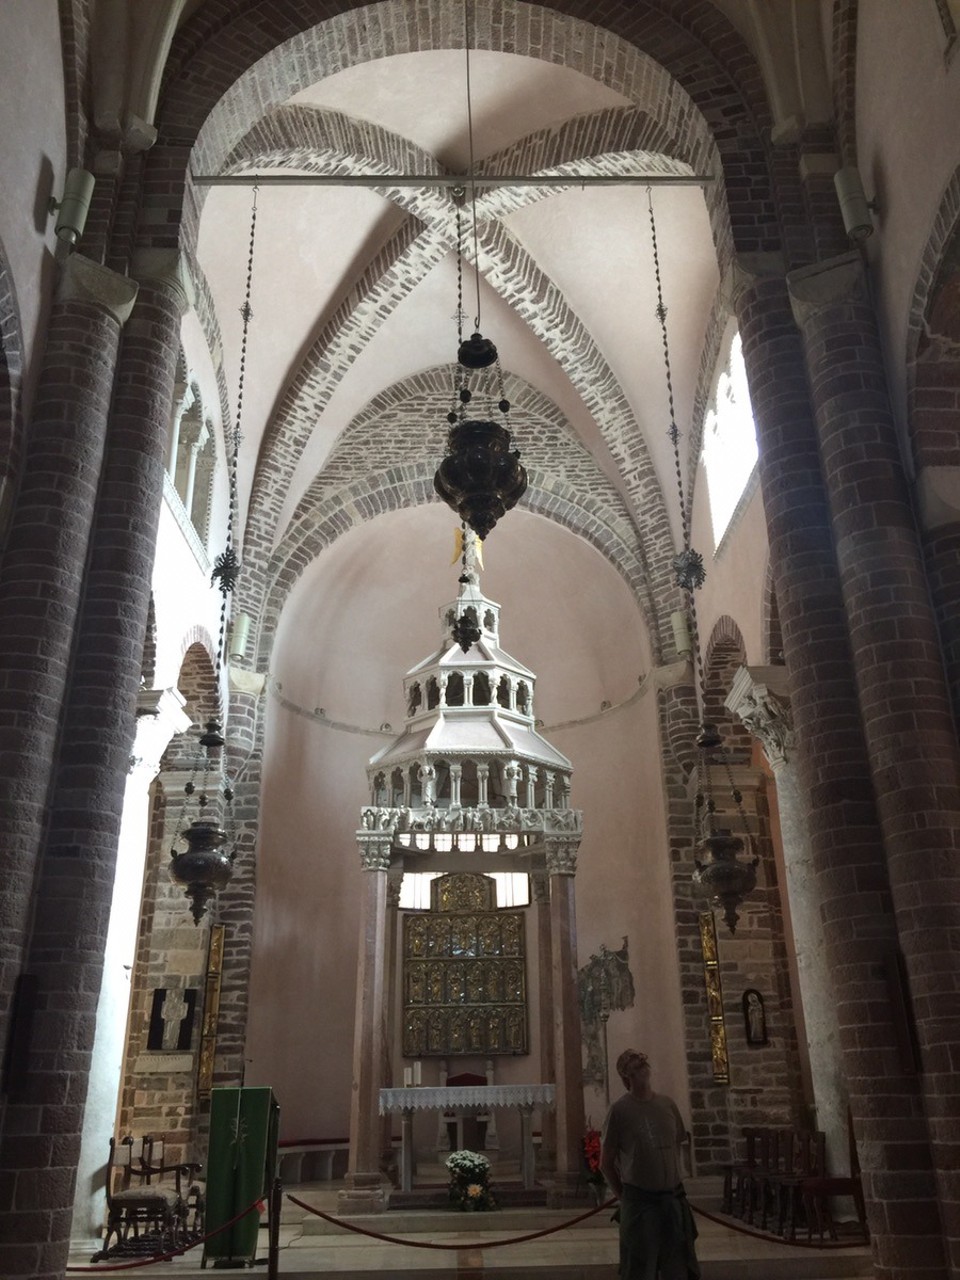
column 585, row 1250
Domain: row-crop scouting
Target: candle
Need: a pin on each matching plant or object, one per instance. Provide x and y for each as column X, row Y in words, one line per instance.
column 407, row 1077
column 416, row 1073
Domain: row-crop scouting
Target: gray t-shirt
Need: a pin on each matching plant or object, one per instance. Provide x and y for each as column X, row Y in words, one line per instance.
column 646, row 1135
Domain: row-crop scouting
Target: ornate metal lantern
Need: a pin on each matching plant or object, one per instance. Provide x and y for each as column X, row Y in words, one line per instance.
column 204, row 867
column 724, row 877
column 480, row 478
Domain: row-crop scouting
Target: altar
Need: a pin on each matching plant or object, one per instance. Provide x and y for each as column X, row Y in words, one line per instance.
column 461, row 1098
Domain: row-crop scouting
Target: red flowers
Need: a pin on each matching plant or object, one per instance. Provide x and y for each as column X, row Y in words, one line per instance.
column 591, row 1154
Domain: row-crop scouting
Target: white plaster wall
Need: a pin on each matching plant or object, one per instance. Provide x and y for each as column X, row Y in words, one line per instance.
column 908, row 108
column 32, row 159
column 361, row 616
column 736, row 571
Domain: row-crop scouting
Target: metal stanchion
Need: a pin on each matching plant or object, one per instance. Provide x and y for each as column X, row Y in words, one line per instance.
column 273, row 1230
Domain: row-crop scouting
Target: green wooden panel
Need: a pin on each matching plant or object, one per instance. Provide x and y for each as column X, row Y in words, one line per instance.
column 241, row 1161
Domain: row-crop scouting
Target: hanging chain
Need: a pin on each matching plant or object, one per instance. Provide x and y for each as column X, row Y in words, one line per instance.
column 473, row 185
column 226, row 569
column 688, row 567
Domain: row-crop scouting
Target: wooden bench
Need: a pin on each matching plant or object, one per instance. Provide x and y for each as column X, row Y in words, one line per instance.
column 308, row 1159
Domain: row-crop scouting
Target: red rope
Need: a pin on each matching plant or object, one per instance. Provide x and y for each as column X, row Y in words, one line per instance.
column 176, row 1253
column 774, row 1239
column 536, row 1235
column 424, row 1244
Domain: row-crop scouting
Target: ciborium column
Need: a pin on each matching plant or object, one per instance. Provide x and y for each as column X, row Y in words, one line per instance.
column 561, row 859
column 364, row 1189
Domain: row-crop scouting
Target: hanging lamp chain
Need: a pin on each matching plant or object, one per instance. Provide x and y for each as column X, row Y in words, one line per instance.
column 473, row 185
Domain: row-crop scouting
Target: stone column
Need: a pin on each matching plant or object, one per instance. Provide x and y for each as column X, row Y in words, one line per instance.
column 561, row 856
column 907, row 716
column 364, row 1190
column 392, row 976
column 182, row 401
column 548, row 1131
column 78, row 863
column 531, row 800
column 40, row 597
column 41, row 575
column 194, row 435
column 759, row 698
column 835, row 777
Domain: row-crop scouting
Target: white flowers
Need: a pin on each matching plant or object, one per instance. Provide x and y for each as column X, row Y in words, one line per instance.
column 468, row 1165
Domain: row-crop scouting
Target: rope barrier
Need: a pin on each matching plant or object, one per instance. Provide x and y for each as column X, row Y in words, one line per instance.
column 570, row 1222
column 257, row 1204
column 426, row 1244
column 770, row 1238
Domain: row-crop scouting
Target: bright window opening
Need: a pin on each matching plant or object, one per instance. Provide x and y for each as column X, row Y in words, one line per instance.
column 513, row 889
column 729, row 442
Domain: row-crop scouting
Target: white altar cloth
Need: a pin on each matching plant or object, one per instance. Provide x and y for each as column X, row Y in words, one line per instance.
column 487, row 1097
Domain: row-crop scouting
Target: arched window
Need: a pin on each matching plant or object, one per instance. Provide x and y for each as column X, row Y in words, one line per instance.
column 481, row 689
column 729, row 441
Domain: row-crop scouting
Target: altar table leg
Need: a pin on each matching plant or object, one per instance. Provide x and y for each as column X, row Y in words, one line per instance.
column 406, row 1150
column 527, row 1158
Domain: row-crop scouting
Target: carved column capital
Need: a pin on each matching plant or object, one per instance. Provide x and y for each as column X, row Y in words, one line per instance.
column 823, row 285
column 540, row 884
column 561, row 855
column 374, row 850
column 394, row 882
column 165, row 269
column 83, row 280
column 758, row 697
column 747, row 270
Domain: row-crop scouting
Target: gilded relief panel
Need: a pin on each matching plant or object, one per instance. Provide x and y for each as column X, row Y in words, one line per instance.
column 464, row 973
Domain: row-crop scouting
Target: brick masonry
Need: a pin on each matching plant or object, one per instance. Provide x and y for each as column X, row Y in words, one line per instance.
column 833, row 763
column 696, row 92
column 908, row 725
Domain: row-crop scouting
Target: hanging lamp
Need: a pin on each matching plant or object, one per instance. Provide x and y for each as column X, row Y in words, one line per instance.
column 719, row 870
column 480, row 478
column 206, row 865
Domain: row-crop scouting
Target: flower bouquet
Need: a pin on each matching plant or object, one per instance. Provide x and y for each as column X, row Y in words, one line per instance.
column 591, row 1158
column 470, row 1181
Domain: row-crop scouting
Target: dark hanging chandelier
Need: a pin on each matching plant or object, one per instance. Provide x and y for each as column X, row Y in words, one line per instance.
column 719, row 870
column 481, row 478
column 206, row 864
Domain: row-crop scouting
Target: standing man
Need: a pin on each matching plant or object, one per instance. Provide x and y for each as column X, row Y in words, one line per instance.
column 640, row 1159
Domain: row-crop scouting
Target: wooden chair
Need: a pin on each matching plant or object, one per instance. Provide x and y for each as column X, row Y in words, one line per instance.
column 805, row 1162
column 737, row 1174
column 150, row 1206
column 818, row 1194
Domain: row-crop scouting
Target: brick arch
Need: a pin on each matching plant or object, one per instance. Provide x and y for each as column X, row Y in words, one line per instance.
column 197, row 668
column 844, row 54
column 11, row 379
column 772, row 632
column 393, row 488
column 724, row 654
column 408, row 420
column 933, row 405
column 298, row 136
column 224, row 71
column 196, row 681
column 933, row 340
column 148, row 670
